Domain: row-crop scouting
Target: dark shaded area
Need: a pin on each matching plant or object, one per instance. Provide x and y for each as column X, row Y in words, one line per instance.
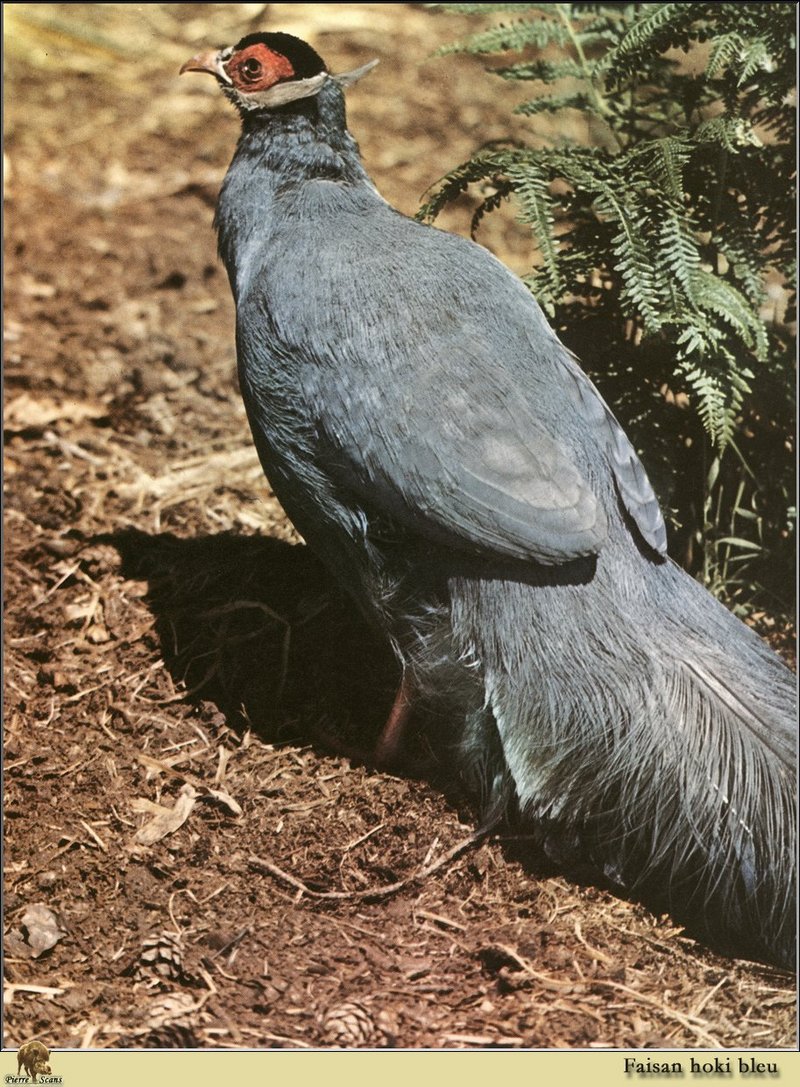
column 259, row 627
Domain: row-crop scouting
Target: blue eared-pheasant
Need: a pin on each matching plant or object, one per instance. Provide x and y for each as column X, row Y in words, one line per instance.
column 444, row 454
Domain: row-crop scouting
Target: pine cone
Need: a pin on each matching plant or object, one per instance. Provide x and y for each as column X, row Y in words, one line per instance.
column 353, row 1026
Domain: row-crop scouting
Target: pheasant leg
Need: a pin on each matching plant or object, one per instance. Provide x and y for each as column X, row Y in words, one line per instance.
column 390, row 740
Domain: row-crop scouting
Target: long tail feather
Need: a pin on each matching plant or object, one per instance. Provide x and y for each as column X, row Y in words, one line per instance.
column 661, row 752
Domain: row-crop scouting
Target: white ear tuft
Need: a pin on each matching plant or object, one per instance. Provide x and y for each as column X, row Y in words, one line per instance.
column 347, row 78
column 281, row 93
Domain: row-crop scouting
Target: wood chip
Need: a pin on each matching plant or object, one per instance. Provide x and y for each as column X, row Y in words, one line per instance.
column 165, row 821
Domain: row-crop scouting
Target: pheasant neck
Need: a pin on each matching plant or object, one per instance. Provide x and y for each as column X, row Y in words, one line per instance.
column 279, row 152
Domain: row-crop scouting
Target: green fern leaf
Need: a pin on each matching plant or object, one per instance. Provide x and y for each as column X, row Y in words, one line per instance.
column 753, row 58
column 716, row 409
column 716, row 295
column 663, row 161
column 512, row 37
column 724, row 53
column 553, row 104
column 544, row 71
column 486, row 9
column 660, row 26
column 732, row 133
column 679, row 254
column 531, row 185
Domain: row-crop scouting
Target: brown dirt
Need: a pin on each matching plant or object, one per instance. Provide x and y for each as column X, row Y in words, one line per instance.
column 169, row 644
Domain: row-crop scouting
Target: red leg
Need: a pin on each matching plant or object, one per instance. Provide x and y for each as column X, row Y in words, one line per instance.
column 391, row 737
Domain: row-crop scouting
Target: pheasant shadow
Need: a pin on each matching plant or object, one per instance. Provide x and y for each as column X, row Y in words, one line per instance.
column 258, row 627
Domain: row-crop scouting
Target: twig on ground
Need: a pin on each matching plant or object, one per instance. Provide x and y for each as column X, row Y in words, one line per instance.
column 696, row 1026
column 370, row 893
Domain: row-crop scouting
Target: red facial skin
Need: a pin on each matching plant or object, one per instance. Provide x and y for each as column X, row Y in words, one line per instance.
column 257, row 68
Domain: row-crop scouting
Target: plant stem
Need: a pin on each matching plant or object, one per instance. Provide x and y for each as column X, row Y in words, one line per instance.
column 598, row 100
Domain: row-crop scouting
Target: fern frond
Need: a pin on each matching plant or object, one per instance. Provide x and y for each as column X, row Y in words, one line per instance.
column 663, row 160
column 679, row 253
column 779, row 120
column 752, row 57
column 511, row 37
column 501, row 190
column 544, row 71
column 710, row 401
column 659, row 27
column 732, row 133
column 555, row 103
column 720, row 388
column 724, row 53
column 452, row 185
column 721, row 298
column 740, row 245
column 531, row 186
column 633, row 253
column 486, row 9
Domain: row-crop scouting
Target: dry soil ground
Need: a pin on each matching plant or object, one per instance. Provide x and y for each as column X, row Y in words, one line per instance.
column 192, row 859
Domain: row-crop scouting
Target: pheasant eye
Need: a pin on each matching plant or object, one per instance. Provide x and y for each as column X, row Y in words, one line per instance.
column 251, row 69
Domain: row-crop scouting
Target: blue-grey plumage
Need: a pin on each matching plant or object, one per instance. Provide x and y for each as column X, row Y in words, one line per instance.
column 442, row 451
